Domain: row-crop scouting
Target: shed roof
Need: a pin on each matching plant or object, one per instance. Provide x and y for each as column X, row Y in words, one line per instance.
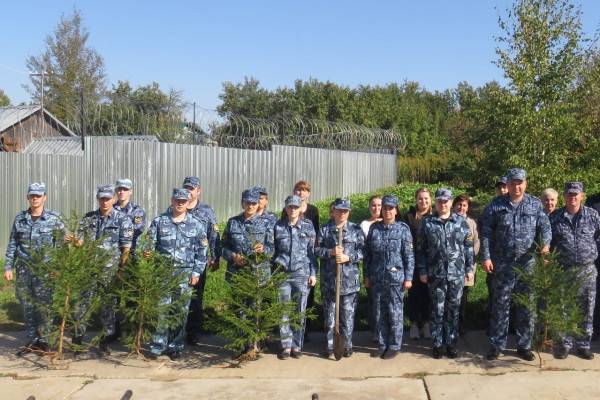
column 66, row 145
column 12, row 115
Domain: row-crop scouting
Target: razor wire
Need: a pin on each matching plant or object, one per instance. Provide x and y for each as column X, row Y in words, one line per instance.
column 198, row 125
column 261, row 134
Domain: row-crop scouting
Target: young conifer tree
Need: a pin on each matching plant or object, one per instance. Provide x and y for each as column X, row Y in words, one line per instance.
column 148, row 279
column 553, row 300
column 251, row 310
column 72, row 271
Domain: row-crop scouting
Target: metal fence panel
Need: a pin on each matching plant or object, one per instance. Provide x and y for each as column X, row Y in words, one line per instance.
column 156, row 168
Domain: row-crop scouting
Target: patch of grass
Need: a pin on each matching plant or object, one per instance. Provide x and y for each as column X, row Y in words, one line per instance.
column 11, row 313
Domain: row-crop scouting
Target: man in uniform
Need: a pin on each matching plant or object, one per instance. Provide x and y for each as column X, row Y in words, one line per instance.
column 511, row 225
column 263, row 203
column 114, row 229
column 593, row 201
column 575, row 236
column 32, row 230
column 349, row 253
column 137, row 214
column 180, row 237
column 207, row 217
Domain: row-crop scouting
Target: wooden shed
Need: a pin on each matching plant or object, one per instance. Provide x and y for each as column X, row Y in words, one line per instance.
column 20, row 125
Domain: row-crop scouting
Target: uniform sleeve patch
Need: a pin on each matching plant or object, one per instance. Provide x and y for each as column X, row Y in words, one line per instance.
column 205, row 242
column 137, row 220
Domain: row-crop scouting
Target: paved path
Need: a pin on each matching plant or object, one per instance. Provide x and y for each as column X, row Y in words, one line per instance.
column 206, row 372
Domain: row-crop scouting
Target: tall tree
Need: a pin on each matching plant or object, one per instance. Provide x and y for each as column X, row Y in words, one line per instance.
column 4, row 100
column 71, row 68
column 541, row 52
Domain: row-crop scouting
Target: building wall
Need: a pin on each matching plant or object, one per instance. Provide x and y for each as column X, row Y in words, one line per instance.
column 17, row 137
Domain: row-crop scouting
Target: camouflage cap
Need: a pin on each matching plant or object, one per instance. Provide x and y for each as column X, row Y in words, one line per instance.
column 573, row 187
column 294, row 201
column 342, row 204
column 516, row 174
column 124, row 183
column 261, row 190
column 501, row 181
column 191, row 181
column 105, row 191
column 36, row 188
column 250, row 196
column 443, row 194
column 181, row 194
column 389, row 200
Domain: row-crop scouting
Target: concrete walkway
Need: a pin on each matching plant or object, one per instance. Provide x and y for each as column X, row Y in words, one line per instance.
column 206, row 372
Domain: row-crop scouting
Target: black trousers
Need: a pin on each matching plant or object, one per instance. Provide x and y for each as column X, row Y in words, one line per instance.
column 418, row 304
column 196, row 313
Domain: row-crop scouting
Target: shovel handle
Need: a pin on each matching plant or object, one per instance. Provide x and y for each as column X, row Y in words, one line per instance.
column 338, row 279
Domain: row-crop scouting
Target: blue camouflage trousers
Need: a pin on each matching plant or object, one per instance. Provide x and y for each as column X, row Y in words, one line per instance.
column 165, row 339
column 505, row 284
column 373, row 310
column 347, row 311
column 445, row 294
column 391, row 316
column 34, row 295
column 108, row 315
column 295, row 289
column 587, row 299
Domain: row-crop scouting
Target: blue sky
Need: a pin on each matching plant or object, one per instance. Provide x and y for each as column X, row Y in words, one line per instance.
column 194, row 46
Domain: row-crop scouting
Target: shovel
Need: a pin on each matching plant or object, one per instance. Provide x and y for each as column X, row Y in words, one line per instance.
column 339, row 341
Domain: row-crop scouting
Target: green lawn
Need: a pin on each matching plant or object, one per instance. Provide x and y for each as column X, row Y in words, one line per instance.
column 11, row 315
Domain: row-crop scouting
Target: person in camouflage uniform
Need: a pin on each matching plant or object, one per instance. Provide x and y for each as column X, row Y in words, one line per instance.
column 576, row 236
column 294, row 254
column 206, row 215
column 349, row 253
column 444, row 258
column 263, row 203
column 124, row 190
column 180, row 237
column 246, row 234
column 510, row 227
column 32, row 230
column 388, row 270
column 114, row 230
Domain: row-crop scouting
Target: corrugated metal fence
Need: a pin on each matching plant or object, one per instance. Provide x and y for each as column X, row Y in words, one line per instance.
column 156, row 168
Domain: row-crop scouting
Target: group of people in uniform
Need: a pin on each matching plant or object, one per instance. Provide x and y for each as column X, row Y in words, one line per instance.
column 431, row 253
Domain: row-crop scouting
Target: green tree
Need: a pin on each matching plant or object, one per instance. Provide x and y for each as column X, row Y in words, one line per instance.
column 4, row 100
column 251, row 311
column 145, row 110
column 535, row 125
column 71, row 67
column 553, row 300
column 142, row 290
column 72, row 272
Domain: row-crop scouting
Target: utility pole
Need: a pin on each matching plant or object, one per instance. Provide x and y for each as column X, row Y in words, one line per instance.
column 82, row 119
column 194, row 118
